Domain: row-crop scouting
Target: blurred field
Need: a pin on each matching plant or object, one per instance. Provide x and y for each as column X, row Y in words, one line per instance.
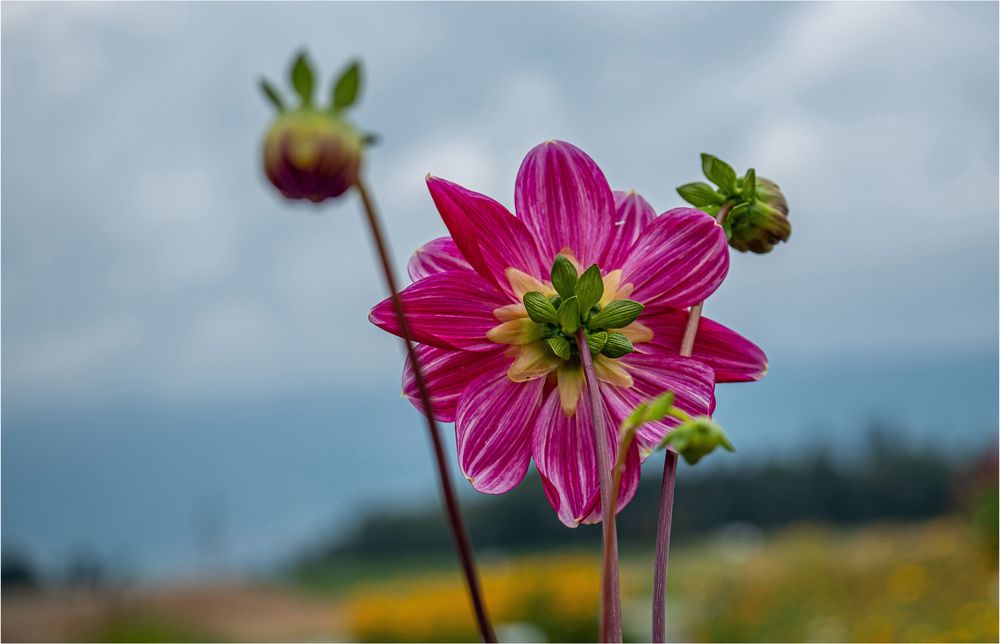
column 923, row 582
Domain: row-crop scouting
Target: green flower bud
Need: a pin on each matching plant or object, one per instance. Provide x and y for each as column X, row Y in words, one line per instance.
column 763, row 224
column 696, row 438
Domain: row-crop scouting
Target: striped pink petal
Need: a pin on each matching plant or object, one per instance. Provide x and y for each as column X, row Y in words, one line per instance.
column 563, row 449
column 679, row 260
column 436, row 256
column 632, row 215
column 653, row 374
column 485, row 232
column 733, row 357
column 449, row 310
column 493, row 427
column 565, row 201
column 447, row 373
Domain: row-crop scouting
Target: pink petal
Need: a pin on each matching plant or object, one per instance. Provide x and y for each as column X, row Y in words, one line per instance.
column 435, row 256
column 489, row 237
column 679, row 260
column 565, row 201
column 632, row 214
column 449, row 310
column 733, row 357
column 447, row 373
column 493, row 427
column 653, row 374
column 564, row 453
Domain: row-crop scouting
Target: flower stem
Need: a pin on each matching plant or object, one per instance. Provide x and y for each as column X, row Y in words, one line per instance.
column 458, row 532
column 611, row 602
column 667, row 489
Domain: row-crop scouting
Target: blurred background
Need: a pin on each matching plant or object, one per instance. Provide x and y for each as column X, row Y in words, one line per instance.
column 203, row 437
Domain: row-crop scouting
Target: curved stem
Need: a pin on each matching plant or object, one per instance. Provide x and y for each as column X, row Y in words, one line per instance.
column 458, row 531
column 611, row 603
column 667, row 488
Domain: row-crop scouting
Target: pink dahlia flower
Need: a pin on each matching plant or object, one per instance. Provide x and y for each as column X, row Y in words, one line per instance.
column 506, row 380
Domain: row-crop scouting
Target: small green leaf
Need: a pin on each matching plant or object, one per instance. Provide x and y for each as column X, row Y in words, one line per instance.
column 539, row 308
column 617, row 346
column 560, row 346
column 589, row 289
column 272, row 94
column 618, row 314
column 699, row 194
column 720, row 173
column 749, row 188
column 569, row 315
column 347, row 87
column 596, row 341
column 302, row 78
column 564, row 277
column 659, row 407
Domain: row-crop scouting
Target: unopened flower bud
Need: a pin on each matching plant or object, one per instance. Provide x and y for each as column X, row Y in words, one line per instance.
column 312, row 155
column 697, row 437
column 754, row 211
column 313, row 152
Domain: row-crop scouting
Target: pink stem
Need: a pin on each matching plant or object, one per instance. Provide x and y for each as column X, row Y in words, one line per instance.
column 667, row 490
column 611, row 602
column 458, row 532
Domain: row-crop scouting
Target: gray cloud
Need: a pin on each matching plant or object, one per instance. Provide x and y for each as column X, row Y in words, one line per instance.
column 143, row 255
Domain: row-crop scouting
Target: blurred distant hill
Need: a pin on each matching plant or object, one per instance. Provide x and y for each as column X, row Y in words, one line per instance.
column 887, row 481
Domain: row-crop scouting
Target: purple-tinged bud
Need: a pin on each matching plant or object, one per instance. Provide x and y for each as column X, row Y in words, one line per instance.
column 312, row 155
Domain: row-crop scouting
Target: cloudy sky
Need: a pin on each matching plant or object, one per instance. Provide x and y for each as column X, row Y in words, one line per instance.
column 146, row 259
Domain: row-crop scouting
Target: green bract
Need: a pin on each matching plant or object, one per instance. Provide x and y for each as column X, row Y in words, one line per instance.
column 576, row 306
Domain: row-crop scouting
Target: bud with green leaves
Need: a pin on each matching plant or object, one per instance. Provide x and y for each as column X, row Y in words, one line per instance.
column 756, row 213
column 311, row 151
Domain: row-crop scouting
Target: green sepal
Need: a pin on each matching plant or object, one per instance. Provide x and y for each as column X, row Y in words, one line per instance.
column 749, row 188
column 564, row 277
column 637, row 417
column 569, row 315
column 596, row 341
column 618, row 314
column 589, row 289
column 539, row 308
column 699, row 194
column 347, row 87
column 720, row 173
column 560, row 346
column 271, row 92
column 660, row 407
column 301, row 76
column 617, row 346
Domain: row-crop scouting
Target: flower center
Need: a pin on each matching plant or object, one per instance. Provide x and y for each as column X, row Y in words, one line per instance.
column 542, row 329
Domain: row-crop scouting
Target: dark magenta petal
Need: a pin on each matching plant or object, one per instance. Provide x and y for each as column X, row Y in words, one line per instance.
column 493, row 428
column 447, row 374
column 565, row 201
column 489, row 237
column 632, row 215
column 449, row 310
column 733, row 357
column 681, row 257
column 436, row 256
